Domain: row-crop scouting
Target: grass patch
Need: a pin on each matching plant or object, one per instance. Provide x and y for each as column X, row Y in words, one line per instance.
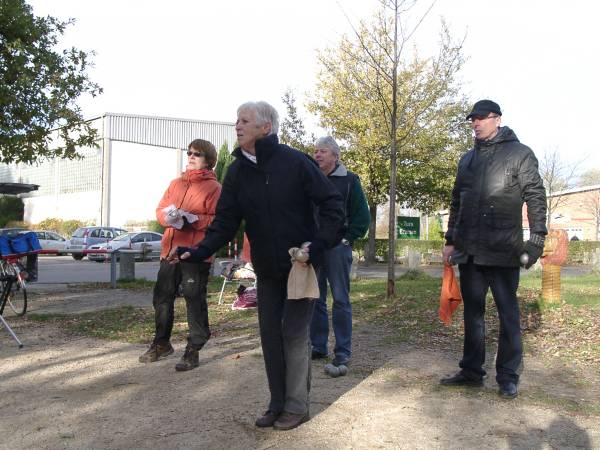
column 575, row 291
column 545, row 399
column 136, row 325
column 570, row 331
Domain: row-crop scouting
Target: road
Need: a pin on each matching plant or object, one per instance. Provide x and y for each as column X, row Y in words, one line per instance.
column 64, row 269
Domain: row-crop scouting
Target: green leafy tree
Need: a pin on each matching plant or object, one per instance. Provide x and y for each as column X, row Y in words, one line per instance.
column 224, row 159
column 11, row 209
column 50, row 224
column 154, row 225
column 39, row 86
column 69, row 226
column 401, row 115
column 292, row 131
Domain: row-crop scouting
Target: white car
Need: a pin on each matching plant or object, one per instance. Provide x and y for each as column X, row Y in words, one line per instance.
column 149, row 241
column 52, row 242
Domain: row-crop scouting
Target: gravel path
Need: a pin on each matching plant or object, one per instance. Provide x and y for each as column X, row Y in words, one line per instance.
column 65, row 392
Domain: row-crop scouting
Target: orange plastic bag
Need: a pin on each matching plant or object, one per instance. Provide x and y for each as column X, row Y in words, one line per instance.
column 450, row 296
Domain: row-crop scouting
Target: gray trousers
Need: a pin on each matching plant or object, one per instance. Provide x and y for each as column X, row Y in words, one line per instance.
column 285, row 337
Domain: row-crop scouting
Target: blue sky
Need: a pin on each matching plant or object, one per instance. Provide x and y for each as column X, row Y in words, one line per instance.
column 201, row 59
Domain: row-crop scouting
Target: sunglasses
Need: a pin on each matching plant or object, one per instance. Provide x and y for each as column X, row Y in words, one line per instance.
column 196, row 154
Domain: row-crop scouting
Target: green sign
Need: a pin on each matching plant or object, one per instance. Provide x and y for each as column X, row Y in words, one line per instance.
column 408, row 227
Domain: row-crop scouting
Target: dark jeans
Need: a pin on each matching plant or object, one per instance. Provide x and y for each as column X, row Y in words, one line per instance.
column 335, row 269
column 284, row 332
column 193, row 278
column 475, row 280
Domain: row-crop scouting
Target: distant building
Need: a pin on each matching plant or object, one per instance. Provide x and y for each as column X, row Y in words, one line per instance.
column 120, row 182
column 575, row 210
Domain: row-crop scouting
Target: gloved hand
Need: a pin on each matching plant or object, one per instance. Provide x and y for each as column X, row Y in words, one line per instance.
column 316, row 249
column 189, row 254
column 534, row 248
column 172, row 216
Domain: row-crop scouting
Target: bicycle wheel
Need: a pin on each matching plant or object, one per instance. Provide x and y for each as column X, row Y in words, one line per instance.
column 17, row 299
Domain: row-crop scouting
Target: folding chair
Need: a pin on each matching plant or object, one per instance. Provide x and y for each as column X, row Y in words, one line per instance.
column 236, row 272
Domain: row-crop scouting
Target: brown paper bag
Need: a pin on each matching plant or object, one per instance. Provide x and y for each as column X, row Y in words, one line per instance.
column 302, row 281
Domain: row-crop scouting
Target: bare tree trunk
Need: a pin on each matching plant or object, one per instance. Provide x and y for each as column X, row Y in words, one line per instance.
column 370, row 247
column 391, row 282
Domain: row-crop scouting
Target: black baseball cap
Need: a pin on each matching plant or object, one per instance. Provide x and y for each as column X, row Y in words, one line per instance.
column 483, row 107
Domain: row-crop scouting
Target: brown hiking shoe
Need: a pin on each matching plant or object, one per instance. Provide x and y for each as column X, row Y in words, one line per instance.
column 188, row 361
column 287, row 420
column 156, row 352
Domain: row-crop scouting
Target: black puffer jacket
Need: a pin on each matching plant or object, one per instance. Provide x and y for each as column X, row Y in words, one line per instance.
column 276, row 197
column 493, row 180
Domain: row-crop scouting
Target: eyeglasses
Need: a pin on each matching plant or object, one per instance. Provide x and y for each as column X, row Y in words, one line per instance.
column 474, row 118
column 196, row 154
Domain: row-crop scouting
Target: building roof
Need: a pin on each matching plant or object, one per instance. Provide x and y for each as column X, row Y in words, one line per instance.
column 165, row 131
column 593, row 187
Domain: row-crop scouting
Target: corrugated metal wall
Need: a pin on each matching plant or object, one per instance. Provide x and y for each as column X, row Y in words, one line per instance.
column 167, row 132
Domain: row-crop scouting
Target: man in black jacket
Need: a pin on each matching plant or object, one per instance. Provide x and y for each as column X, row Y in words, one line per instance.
column 485, row 239
column 275, row 189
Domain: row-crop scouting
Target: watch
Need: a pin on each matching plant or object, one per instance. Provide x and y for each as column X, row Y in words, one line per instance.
column 345, row 241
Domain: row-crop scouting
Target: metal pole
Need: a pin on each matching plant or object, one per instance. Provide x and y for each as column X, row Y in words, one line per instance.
column 113, row 270
column 12, row 333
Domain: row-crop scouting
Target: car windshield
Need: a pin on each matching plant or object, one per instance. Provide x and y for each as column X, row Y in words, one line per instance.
column 124, row 237
column 79, row 232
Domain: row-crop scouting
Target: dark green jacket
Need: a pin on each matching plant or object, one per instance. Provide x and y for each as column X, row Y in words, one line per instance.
column 356, row 209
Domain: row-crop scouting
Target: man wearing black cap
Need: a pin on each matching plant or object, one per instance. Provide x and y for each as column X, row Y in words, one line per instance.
column 485, row 239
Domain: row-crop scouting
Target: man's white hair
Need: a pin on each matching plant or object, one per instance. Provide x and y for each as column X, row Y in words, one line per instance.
column 328, row 142
column 265, row 113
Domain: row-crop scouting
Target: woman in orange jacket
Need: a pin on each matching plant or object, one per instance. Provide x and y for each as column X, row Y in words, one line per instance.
column 185, row 211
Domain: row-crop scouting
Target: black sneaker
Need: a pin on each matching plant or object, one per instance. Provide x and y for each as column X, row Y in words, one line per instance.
column 318, row 355
column 459, row 379
column 188, row 361
column 156, row 352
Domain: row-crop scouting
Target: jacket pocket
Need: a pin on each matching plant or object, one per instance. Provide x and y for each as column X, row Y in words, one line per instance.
column 511, row 179
column 503, row 233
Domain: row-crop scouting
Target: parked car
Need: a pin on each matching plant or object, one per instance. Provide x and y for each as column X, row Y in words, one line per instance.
column 146, row 241
column 85, row 237
column 11, row 232
column 51, row 241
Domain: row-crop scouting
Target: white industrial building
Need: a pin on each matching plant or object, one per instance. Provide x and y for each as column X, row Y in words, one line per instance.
column 120, row 182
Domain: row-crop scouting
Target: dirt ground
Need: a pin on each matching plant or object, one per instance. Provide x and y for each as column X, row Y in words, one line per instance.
column 65, row 392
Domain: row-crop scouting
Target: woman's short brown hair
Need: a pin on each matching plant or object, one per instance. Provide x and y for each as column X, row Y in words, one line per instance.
column 207, row 149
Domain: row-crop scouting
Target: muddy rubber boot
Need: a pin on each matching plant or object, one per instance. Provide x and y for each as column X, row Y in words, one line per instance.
column 188, row 361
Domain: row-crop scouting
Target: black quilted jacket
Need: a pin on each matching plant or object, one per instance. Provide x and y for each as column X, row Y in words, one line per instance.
column 493, row 181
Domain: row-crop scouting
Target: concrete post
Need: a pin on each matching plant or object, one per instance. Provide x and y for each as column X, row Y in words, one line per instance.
column 127, row 264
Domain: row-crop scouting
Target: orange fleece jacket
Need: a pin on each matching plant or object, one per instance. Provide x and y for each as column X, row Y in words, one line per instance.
column 197, row 192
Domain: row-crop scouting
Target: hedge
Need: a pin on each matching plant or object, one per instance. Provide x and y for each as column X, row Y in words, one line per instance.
column 579, row 251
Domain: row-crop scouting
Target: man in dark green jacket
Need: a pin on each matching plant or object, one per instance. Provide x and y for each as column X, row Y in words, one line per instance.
column 337, row 261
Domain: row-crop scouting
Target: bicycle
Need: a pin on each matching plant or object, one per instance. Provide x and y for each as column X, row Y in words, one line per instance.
column 14, row 286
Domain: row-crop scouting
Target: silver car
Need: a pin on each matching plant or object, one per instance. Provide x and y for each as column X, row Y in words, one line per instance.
column 147, row 243
column 85, row 237
column 52, row 242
